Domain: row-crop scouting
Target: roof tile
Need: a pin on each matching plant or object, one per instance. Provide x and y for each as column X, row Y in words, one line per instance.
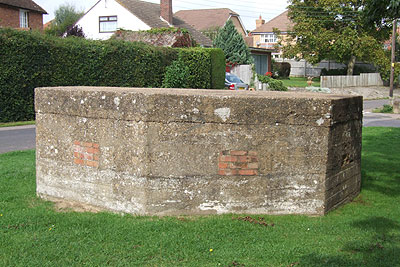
column 280, row 22
column 149, row 13
column 26, row 4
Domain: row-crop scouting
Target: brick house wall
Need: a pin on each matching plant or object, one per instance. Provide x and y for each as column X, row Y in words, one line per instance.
column 9, row 17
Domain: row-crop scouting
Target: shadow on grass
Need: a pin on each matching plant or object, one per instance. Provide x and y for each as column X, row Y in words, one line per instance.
column 381, row 249
column 380, row 158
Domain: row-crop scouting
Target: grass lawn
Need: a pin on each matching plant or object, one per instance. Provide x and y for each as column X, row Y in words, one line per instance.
column 300, row 82
column 18, row 123
column 365, row 232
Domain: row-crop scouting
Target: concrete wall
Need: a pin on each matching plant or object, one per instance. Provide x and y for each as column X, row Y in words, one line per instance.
column 364, row 79
column 244, row 72
column 181, row 151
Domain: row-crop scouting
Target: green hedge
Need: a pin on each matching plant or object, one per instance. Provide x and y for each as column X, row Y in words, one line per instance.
column 217, row 68
column 30, row 60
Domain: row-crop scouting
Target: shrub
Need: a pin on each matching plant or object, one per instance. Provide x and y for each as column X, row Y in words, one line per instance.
column 176, row 75
column 198, row 60
column 343, row 71
column 30, row 60
column 273, row 84
column 282, row 69
column 217, row 57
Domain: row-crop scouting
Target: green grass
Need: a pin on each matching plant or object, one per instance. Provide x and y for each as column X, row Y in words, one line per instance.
column 300, row 82
column 365, row 232
column 18, row 123
column 384, row 109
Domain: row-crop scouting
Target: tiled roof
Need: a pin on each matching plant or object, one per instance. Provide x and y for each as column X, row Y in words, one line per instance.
column 281, row 22
column 149, row 13
column 203, row 19
column 25, row 4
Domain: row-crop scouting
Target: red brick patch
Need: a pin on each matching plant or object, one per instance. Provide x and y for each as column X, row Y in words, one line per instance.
column 237, row 162
column 86, row 153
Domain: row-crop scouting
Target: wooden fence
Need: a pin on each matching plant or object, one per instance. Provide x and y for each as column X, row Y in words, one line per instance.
column 364, row 79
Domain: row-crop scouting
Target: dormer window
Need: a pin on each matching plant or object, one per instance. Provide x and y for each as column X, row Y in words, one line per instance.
column 23, row 18
column 108, row 23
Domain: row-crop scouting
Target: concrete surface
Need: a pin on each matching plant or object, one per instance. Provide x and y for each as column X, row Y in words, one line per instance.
column 168, row 152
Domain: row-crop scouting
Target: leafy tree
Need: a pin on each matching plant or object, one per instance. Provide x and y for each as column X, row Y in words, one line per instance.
column 65, row 17
column 332, row 29
column 381, row 13
column 233, row 45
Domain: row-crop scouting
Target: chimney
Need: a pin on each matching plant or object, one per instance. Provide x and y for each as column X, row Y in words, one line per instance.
column 259, row 22
column 166, row 10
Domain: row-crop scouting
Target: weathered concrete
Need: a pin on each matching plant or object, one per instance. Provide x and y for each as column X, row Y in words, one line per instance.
column 171, row 151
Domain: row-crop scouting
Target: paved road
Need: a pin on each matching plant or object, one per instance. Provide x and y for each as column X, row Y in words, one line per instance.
column 369, row 105
column 17, row 138
column 23, row 137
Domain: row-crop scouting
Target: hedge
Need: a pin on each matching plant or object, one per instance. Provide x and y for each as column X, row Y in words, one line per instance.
column 217, row 68
column 30, row 60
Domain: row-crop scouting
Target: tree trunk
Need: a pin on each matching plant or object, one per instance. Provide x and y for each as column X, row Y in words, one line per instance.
column 350, row 65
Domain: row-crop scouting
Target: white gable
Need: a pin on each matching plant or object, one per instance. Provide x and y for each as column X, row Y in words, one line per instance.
column 90, row 22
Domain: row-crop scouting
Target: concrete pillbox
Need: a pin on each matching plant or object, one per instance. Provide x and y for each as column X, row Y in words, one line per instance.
column 184, row 151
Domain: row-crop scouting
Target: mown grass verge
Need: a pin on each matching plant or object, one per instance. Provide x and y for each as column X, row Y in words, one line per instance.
column 300, row 82
column 365, row 232
column 17, row 123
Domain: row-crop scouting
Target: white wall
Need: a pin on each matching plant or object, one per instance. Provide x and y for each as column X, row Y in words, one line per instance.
column 126, row 20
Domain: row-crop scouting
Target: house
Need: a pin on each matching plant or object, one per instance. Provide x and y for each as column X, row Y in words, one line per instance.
column 211, row 19
column 106, row 16
column 21, row 14
column 264, row 37
column 206, row 20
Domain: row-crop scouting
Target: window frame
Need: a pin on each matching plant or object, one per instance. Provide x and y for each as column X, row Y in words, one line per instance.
column 109, row 19
column 24, row 19
column 269, row 38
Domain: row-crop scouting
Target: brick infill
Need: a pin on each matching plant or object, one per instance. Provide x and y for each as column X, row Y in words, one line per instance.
column 237, row 162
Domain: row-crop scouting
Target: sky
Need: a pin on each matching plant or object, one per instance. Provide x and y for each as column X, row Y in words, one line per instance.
column 249, row 10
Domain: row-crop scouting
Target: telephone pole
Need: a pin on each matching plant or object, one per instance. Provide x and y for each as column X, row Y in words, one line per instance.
column 393, row 59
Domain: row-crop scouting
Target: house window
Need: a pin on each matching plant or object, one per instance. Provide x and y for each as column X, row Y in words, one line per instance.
column 268, row 38
column 23, row 19
column 108, row 23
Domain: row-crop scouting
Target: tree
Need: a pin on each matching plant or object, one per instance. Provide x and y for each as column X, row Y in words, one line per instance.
column 233, row 45
column 331, row 29
column 65, row 17
column 381, row 13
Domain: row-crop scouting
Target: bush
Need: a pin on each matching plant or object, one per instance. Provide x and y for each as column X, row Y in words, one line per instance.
column 282, row 69
column 198, row 60
column 217, row 57
column 30, row 60
column 273, row 84
column 176, row 75
column 343, row 71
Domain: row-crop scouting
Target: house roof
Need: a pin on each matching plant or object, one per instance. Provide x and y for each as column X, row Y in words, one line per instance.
column 280, row 22
column 204, row 19
column 149, row 13
column 25, row 4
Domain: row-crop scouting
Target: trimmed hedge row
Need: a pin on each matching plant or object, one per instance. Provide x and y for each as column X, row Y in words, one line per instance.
column 30, row 60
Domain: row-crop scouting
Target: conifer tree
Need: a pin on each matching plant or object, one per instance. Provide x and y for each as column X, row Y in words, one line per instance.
column 233, row 45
